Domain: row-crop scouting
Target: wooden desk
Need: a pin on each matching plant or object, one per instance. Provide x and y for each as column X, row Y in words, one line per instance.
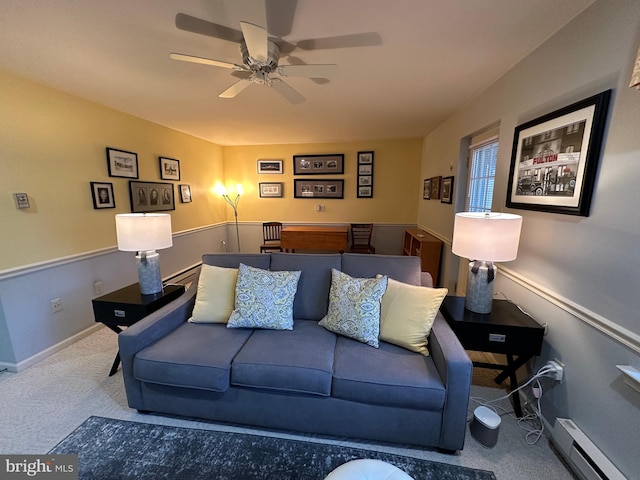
column 314, row 238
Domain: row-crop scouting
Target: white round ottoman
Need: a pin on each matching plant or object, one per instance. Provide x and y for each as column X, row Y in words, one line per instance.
column 367, row 470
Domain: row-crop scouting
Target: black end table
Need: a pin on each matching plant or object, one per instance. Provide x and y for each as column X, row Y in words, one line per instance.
column 126, row 306
column 506, row 330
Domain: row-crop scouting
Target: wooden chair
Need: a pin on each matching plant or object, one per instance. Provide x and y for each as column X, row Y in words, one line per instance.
column 361, row 238
column 271, row 237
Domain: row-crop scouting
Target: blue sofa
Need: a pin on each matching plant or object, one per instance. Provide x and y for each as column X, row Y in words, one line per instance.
column 307, row 379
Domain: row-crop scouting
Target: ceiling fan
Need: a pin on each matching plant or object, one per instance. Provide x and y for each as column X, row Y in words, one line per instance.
column 261, row 54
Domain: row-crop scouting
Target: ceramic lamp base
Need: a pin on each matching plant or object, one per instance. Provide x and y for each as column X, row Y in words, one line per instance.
column 480, row 288
column 149, row 272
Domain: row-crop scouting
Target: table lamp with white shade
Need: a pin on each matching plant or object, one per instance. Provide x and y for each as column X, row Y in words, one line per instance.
column 484, row 238
column 145, row 233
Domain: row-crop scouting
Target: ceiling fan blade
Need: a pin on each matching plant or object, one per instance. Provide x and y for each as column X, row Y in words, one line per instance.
column 256, row 39
column 242, row 73
column 368, row 39
column 204, row 61
column 311, row 71
column 203, row 27
column 236, row 88
column 280, row 15
column 286, row 91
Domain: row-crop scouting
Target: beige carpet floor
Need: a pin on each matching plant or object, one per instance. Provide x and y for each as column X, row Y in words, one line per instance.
column 44, row 403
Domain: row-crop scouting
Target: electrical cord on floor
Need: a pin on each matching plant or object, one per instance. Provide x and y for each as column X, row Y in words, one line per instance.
column 535, row 426
column 532, row 422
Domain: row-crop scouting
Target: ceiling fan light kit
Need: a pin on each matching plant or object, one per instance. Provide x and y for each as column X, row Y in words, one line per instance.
column 260, row 57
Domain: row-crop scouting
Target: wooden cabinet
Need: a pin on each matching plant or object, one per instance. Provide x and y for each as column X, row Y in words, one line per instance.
column 421, row 244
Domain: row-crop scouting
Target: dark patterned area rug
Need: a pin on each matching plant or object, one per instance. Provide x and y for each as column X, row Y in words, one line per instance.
column 114, row 449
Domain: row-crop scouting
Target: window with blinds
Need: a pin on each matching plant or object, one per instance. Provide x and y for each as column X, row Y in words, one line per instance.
column 482, row 172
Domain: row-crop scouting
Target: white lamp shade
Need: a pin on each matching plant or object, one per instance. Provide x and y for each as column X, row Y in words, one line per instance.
column 139, row 232
column 488, row 236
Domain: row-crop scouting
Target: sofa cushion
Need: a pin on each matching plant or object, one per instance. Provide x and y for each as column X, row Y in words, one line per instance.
column 264, row 299
column 402, row 268
column 299, row 361
column 312, row 298
column 194, row 355
column 407, row 313
column 216, row 294
column 354, row 307
column 233, row 260
column 389, row 375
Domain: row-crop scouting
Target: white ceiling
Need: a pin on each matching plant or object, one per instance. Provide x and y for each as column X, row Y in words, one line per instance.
column 434, row 57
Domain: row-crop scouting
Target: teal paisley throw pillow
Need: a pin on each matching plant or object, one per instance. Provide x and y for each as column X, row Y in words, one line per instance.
column 354, row 307
column 264, row 299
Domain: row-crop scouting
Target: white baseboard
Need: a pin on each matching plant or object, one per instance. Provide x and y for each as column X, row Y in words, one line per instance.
column 18, row 367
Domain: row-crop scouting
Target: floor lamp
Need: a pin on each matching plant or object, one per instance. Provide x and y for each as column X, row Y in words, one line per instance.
column 222, row 191
column 145, row 233
column 484, row 238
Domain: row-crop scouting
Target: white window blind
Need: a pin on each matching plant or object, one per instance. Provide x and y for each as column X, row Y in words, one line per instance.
column 482, row 172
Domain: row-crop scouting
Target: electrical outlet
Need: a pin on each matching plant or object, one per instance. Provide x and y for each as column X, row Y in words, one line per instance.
column 558, row 367
column 56, row 305
column 98, row 287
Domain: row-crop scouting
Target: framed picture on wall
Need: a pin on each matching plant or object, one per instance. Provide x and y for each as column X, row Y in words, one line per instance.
column 333, row 188
column 435, row 188
column 169, row 168
column 122, row 163
column 426, row 189
column 270, row 166
column 271, row 190
column 318, row 164
column 185, row 193
column 447, row 190
column 555, row 157
column 102, row 195
column 151, row 196
column 365, row 175
column 364, row 192
column 365, row 158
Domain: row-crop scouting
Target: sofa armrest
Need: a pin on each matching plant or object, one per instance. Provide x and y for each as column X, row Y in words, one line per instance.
column 455, row 369
column 148, row 331
column 426, row 280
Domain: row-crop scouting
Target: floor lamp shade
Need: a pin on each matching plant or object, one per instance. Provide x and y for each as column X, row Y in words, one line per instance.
column 145, row 233
column 484, row 238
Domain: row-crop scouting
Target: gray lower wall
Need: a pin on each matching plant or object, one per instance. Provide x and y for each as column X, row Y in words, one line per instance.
column 30, row 331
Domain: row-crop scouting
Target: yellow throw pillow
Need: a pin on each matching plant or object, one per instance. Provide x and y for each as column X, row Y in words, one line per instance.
column 407, row 314
column 215, row 298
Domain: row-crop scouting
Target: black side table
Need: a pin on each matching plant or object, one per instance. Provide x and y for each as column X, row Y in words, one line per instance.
column 126, row 306
column 505, row 330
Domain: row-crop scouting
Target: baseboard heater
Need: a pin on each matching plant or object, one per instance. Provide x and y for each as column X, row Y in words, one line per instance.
column 582, row 455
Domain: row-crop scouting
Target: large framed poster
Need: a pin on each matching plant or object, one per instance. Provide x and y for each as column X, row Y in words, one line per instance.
column 554, row 158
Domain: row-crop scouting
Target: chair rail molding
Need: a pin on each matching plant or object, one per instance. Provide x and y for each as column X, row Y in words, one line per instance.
column 620, row 334
column 57, row 262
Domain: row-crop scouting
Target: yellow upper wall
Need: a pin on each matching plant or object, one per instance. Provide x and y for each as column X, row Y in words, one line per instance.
column 52, row 145
column 396, row 183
